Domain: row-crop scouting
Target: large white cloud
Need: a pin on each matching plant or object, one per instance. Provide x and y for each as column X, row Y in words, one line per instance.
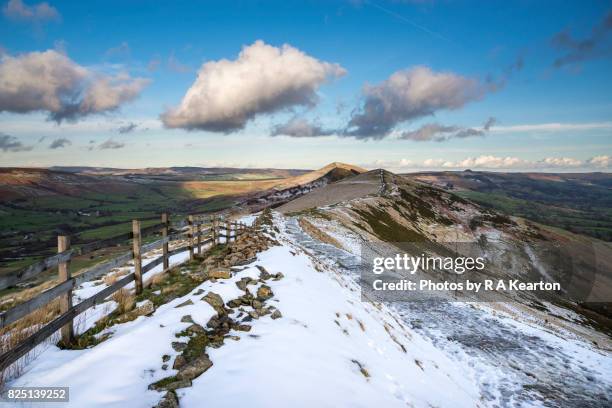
column 407, row 95
column 263, row 79
column 50, row 81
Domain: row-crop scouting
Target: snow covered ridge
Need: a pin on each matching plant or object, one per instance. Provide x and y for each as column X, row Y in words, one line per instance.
column 514, row 354
column 288, row 327
column 319, row 346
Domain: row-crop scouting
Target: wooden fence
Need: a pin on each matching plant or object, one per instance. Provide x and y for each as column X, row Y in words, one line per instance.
column 200, row 232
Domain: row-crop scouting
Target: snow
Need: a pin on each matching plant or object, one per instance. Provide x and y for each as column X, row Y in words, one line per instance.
column 309, row 356
column 331, row 348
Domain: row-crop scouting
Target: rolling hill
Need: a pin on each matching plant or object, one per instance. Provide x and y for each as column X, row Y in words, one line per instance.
column 578, row 202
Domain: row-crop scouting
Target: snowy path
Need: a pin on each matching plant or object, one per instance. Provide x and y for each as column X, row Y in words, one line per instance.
column 514, row 364
column 328, row 349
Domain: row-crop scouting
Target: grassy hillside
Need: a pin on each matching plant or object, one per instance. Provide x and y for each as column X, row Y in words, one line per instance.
column 580, row 203
column 38, row 204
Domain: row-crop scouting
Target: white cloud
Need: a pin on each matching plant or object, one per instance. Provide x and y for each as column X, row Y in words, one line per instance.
column 49, row 81
column 601, row 161
column 498, row 163
column 263, row 79
column 553, row 127
column 408, row 95
column 18, row 10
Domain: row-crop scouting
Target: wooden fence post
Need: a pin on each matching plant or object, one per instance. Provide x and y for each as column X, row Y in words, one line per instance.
column 136, row 250
column 190, row 236
column 164, row 220
column 199, row 240
column 63, row 270
column 214, row 231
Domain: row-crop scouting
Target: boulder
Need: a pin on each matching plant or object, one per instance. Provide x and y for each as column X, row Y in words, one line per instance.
column 263, row 273
column 276, row 314
column 179, row 362
column 220, row 273
column 194, row 368
column 170, row 400
column 195, row 329
column 264, row 293
column 185, row 303
column 145, row 308
column 214, row 300
column 164, row 384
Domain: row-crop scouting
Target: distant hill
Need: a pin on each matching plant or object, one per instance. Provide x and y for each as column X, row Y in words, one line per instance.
column 578, row 202
column 180, row 171
column 90, row 203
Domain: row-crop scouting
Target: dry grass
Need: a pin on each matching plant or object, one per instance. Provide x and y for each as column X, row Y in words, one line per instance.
column 157, row 280
column 14, row 334
column 113, row 277
column 125, row 300
column 13, row 299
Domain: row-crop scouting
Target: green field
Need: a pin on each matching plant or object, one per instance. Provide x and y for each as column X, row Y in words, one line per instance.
column 29, row 225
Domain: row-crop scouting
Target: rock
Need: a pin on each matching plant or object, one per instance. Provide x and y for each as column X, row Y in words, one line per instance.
column 278, row 276
column 265, row 311
column 165, row 358
column 213, row 323
column 145, row 308
column 170, row 400
column 187, row 319
column 242, row 283
column 276, row 314
column 256, row 304
column 243, row 327
column 263, row 273
column 179, row 362
column 254, row 314
column 164, row 366
column 164, row 384
column 179, row 346
column 194, row 368
column 198, row 292
column 234, row 303
column 196, row 329
column 220, row 273
column 264, row 293
column 185, row 303
column 214, row 300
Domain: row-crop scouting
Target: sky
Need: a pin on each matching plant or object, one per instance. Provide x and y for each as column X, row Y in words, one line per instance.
column 405, row 85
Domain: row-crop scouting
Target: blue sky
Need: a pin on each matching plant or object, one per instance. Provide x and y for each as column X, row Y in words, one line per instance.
column 545, row 117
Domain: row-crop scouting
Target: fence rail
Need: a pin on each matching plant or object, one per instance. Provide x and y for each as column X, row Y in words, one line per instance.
column 199, row 234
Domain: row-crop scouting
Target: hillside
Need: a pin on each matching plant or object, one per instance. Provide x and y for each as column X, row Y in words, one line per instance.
column 578, row 202
column 381, row 206
column 293, row 323
column 96, row 203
